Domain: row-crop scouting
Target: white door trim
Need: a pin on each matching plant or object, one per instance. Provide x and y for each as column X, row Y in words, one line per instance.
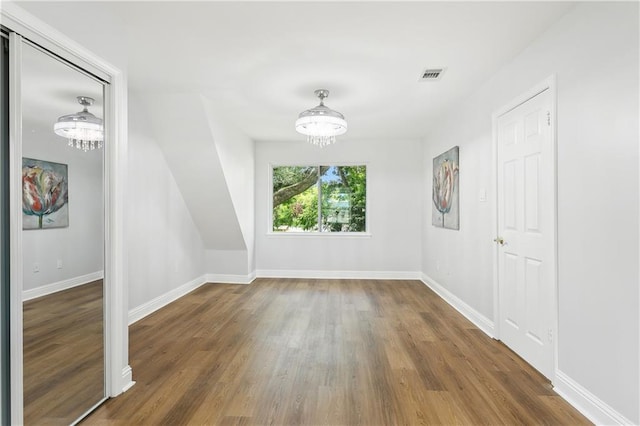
column 547, row 84
column 118, row 375
column 15, row 230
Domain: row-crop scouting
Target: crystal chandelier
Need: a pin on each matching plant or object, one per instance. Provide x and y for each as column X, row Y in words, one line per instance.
column 321, row 124
column 83, row 129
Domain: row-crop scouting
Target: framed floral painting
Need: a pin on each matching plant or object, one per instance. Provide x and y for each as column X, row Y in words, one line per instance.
column 446, row 192
column 45, row 197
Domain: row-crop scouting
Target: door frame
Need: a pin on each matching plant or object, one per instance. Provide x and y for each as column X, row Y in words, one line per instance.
column 549, row 84
column 118, row 375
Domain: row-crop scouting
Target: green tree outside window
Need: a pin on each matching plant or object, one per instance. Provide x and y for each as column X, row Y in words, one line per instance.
column 342, row 194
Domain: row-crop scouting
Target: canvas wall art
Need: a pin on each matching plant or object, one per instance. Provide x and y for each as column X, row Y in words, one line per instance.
column 445, row 195
column 45, row 198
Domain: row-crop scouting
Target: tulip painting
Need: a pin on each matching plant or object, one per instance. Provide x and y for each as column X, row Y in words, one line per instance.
column 44, row 194
column 445, row 212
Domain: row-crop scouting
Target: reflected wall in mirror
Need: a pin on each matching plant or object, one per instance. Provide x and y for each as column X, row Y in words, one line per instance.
column 63, row 252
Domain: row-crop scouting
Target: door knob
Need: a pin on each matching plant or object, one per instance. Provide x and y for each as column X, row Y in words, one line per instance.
column 499, row 240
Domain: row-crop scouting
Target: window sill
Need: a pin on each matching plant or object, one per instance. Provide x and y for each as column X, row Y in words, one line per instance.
column 319, row 234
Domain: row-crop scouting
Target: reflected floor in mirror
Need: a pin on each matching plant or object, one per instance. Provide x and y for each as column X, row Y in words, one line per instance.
column 63, row 354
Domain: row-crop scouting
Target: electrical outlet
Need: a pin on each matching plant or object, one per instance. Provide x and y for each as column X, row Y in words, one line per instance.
column 36, row 268
column 59, row 264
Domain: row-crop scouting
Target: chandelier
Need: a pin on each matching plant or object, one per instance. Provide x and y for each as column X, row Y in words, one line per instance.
column 321, row 124
column 83, row 129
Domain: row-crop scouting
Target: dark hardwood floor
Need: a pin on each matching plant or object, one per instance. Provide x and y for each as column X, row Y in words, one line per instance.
column 325, row 352
column 63, row 355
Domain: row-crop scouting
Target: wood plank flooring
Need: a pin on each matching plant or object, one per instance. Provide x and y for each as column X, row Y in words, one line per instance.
column 325, row 352
column 63, row 344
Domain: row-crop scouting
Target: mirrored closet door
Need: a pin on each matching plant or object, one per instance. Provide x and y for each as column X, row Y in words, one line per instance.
column 62, row 239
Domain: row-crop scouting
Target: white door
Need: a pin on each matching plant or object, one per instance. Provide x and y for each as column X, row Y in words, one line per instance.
column 526, row 230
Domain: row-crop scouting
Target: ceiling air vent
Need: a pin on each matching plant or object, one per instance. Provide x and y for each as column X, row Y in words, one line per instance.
column 431, row 74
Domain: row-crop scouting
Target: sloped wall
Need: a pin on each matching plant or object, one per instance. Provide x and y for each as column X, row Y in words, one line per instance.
column 165, row 247
column 236, row 152
column 191, row 154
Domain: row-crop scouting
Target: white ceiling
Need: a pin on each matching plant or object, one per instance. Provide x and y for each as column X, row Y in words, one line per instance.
column 258, row 63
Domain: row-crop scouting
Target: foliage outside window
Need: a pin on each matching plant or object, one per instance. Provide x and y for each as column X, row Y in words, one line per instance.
column 342, row 191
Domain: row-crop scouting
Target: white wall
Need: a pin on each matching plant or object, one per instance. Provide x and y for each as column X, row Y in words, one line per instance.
column 236, row 152
column 165, row 247
column 462, row 259
column 197, row 170
column 394, row 173
column 593, row 50
column 228, row 262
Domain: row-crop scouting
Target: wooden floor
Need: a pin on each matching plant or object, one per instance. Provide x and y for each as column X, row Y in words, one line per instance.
column 63, row 355
column 325, row 352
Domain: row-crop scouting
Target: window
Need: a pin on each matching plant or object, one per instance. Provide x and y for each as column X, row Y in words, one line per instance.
column 342, row 191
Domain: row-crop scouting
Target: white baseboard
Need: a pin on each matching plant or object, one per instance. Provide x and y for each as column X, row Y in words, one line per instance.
column 479, row 320
column 363, row 275
column 230, row 279
column 587, row 403
column 127, row 378
column 153, row 305
column 61, row 285
column 584, row 401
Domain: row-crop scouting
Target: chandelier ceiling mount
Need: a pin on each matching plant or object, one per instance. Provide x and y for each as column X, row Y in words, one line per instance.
column 83, row 130
column 321, row 124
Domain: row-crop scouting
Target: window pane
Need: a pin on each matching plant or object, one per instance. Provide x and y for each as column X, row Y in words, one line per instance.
column 344, row 198
column 295, row 199
column 296, row 190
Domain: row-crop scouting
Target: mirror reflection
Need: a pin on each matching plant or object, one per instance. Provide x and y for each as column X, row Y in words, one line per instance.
column 63, row 240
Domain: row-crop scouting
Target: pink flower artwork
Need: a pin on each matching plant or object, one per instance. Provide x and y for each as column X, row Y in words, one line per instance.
column 44, row 194
column 445, row 213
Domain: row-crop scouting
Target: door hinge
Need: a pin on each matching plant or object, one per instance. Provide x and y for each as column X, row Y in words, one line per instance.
column 550, row 336
column 548, row 118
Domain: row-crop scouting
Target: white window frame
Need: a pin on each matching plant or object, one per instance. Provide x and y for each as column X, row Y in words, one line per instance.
column 315, row 234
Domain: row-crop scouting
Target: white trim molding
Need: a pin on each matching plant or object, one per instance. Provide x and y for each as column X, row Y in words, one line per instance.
column 230, row 279
column 593, row 408
column 127, row 378
column 146, row 309
column 116, row 249
column 479, row 320
column 16, row 409
column 139, row 312
column 61, row 285
column 362, row 275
